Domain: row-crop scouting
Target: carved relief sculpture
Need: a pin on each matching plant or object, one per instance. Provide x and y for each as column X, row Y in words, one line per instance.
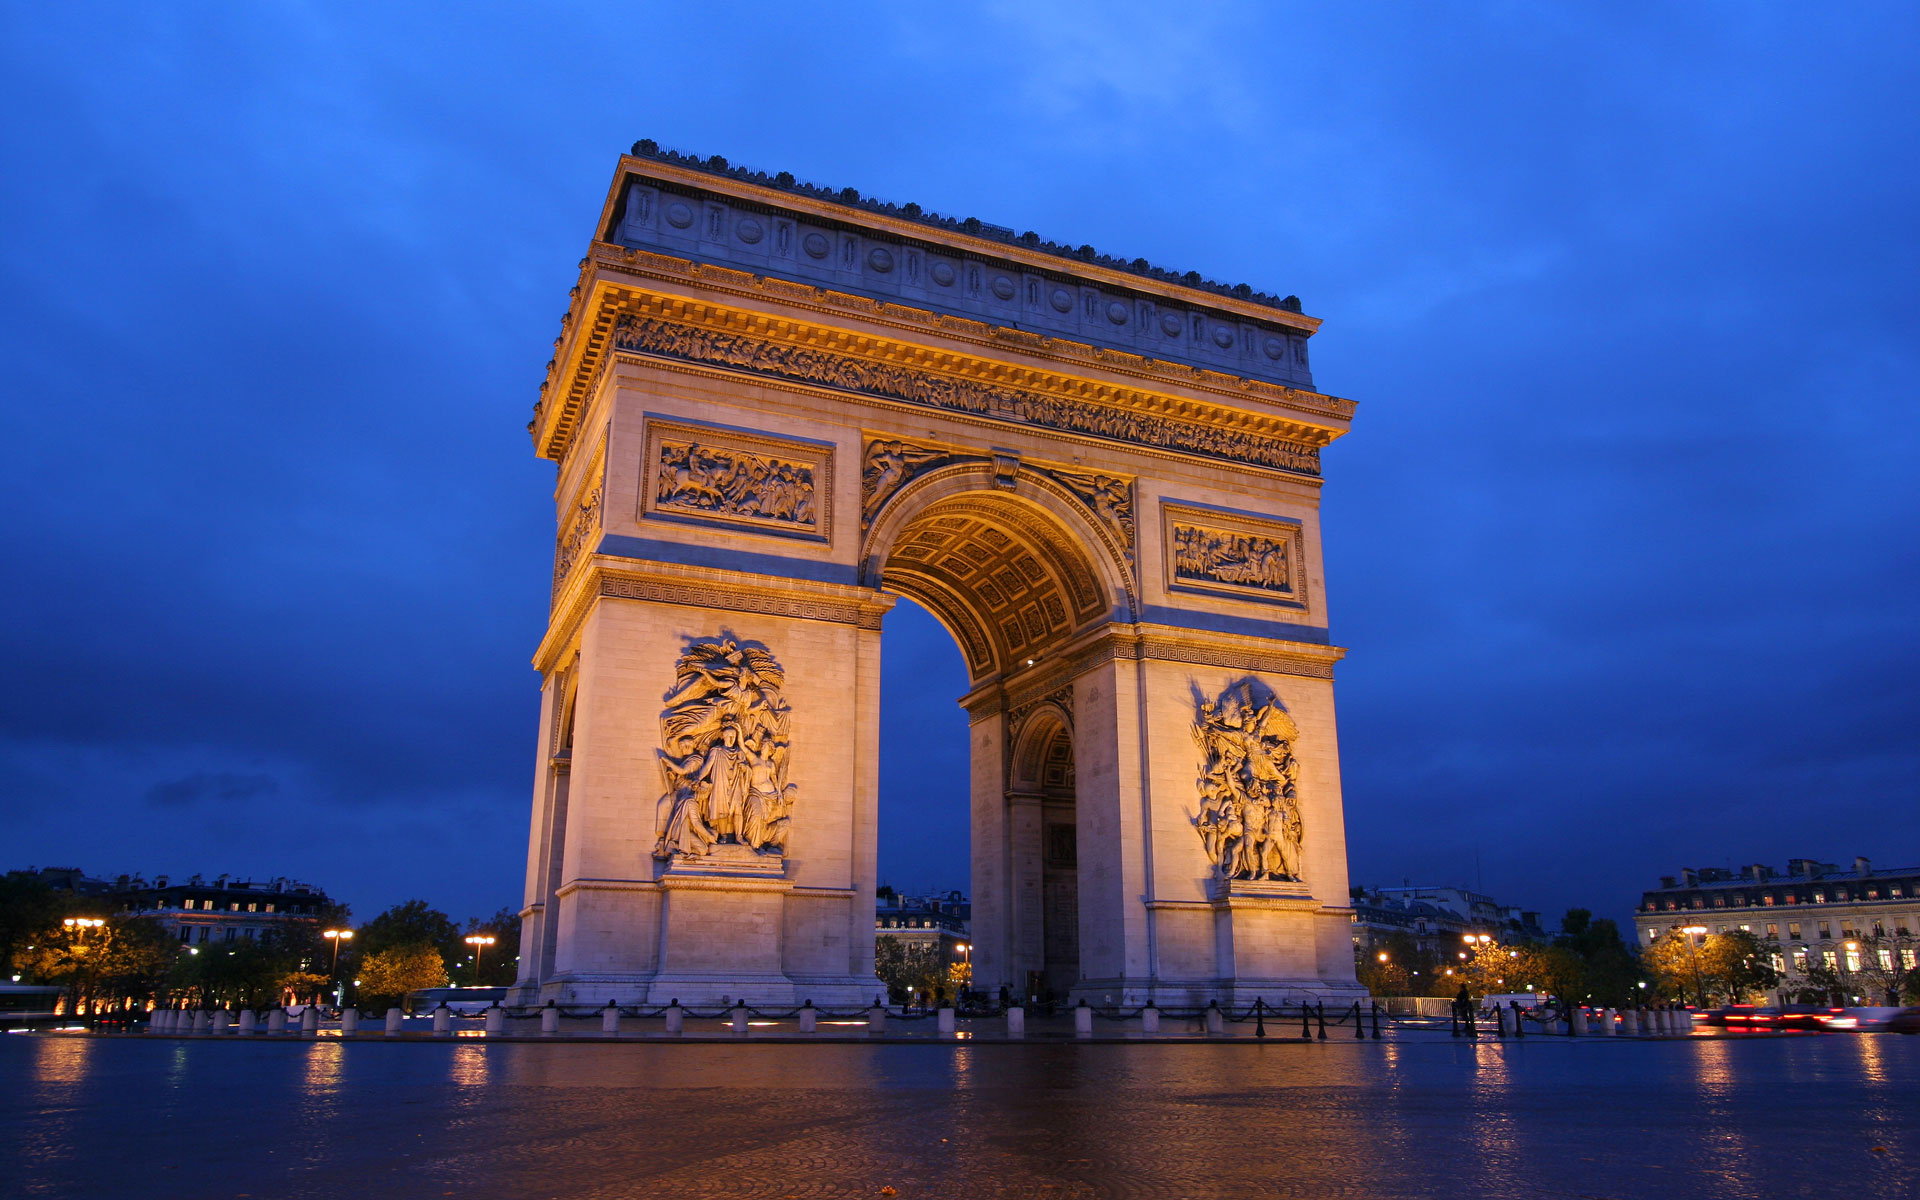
column 584, row 523
column 1110, row 499
column 888, row 466
column 712, row 475
column 724, row 746
column 1249, row 818
column 1203, row 555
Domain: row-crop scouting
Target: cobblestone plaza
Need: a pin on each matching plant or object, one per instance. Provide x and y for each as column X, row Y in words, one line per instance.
column 1415, row 1115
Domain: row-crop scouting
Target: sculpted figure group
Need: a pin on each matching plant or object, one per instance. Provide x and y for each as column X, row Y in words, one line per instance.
column 1213, row 556
column 1249, row 816
column 728, row 482
column 724, row 753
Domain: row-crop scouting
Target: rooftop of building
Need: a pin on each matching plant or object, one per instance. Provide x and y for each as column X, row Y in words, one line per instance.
column 1799, row 870
column 852, row 199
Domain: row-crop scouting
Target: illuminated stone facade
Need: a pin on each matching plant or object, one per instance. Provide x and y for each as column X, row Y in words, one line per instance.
column 775, row 410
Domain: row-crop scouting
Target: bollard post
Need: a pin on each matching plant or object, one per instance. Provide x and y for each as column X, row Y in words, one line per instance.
column 944, row 1020
column 1083, row 1020
column 1306, row 1030
column 809, row 1018
column 395, row 1018
column 1259, row 1016
column 1376, row 1020
column 1607, row 1016
column 1016, row 1022
column 443, row 1021
column 1499, row 1022
column 610, row 1019
column 349, row 1021
column 549, row 1020
column 1359, row 1026
column 217, row 1023
column 1320, row 1016
column 1630, row 1021
column 248, row 1022
column 276, row 1021
column 1519, row 1029
column 740, row 1019
column 1150, row 1020
column 1216, row 1020
column 496, row 1020
column 310, row 1021
column 157, row 1023
column 1453, row 1020
column 676, row 1019
column 877, row 1017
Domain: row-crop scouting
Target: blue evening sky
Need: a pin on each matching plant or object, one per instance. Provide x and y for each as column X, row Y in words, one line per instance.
column 1623, row 541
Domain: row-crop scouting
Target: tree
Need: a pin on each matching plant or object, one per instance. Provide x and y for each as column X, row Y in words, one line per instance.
column 303, row 987
column 387, row 976
column 1609, row 975
column 906, row 967
column 29, row 910
column 1732, row 966
column 410, row 924
column 1890, row 967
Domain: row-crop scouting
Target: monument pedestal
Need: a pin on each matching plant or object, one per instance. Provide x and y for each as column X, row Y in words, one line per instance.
column 721, row 918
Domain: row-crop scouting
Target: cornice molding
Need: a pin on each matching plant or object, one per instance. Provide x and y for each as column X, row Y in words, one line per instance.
column 616, row 281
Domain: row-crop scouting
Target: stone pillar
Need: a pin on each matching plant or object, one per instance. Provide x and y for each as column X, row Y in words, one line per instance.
column 549, row 1020
column 443, row 1021
column 496, row 1021
column 809, row 1017
column 1016, row 1022
column 610, row 1019
column 277, row 1021
column 1082, row 1020
column 349, row 1021
column 1607, row 1016
column 248, row 1021
column 738, row 1018
column 676, row 1019
column 310, row 1021
column 217, row 1022
column 944, row 1019
column 156, row 1023
column 877, row 1019
column 1216, row 1021
column 394, row 1019
column 1150, row 1020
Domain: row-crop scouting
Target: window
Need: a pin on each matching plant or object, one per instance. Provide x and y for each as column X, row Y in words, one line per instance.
column 253, row 906
column 1720, row 929
column 1793, row 930
column 190, row 904
column 1846, row 929
column 1831, row 961
column 234, row 907
column 1840, row 893
column 1767, row 899
column 186, row 933
column 202, row 935
column 1853, row 960
column 1739, row 899
column 1699, row 901
column 1779, row 963
column 1819, row 897
column 1879, row 929
column 1773, row 931
column 1910, row 958
column 1873, row 893
column 1886, row 960
column 1800, row 959
column 230, row 933
column 1719, row 901
column 1746, row 929
column 269, row 906
column 1896, row 891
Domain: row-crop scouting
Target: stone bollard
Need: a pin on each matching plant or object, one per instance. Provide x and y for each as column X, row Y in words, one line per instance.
column 443, row 1021
column 496, row 1020
column 1216, row 1020
column 610, row 1019
column 276, row 1021
column 1083, row 1021
column 218, row 1023
column 1016, row 1022
column 1630, row 1021
column 877, row 1017
column 248, row 1022
column 1579, row 1021
column 676, row 1019
column 394, row 1019
column 1150, row 1020
column 199, row 1021
column 1500, row 1021
column 1607, row 1018
column 549, row 1020
column 944, row 1020
column 1662, row 1020
column 310, row 1021
column 809, row 1018
column 349, row 1022
column 157, row 1022
column 739, row 1020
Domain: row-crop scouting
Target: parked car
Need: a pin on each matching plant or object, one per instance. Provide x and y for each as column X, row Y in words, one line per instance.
column 464, row 1001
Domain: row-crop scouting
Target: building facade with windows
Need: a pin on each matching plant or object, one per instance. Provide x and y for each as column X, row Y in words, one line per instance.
column 942, row 921
column 1436, row 918
column 1820, row 915
column 227, row 909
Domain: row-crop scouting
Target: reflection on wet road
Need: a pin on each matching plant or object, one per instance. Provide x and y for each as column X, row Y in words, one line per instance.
column 164, row 1119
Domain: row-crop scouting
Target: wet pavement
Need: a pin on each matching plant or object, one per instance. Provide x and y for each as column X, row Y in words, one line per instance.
column 1411, row 1116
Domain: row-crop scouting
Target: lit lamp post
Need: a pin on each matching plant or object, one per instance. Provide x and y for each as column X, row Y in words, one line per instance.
column 479, row 942
column 78, row 926
column 336, row 936
column 1693, row 952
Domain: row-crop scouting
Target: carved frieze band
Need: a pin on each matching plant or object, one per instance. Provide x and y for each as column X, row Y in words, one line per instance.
column 1234, row 554
column 580, row 524
column 705, row 596
column 916, row 385
column 1061, row 696
column 713, row 475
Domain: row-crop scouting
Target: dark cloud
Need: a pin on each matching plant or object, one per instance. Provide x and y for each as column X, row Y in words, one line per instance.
column 1622, row 542
column 219, row 788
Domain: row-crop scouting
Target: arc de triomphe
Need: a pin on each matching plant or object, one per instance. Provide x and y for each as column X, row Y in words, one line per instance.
column 776, row 408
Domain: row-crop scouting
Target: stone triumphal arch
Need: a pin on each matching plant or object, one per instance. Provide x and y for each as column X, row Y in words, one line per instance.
column 775, row 409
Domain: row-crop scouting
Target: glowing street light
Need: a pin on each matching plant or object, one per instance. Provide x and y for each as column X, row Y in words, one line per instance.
column 82, row 924
column 336, row 936
column 1693, row 952
column 1383, row 956
column 479, row 942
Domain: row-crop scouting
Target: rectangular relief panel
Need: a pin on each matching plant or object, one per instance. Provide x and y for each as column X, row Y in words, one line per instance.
column 736, row 479
column 1221, row 552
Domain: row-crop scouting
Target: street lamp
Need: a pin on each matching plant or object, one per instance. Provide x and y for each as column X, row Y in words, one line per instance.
column 1383, row 956
column 479, row 942
column 81, row 924
column 336, row 936
column 1694, row 952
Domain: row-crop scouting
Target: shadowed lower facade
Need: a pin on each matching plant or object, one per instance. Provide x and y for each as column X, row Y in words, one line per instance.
column 773, row 412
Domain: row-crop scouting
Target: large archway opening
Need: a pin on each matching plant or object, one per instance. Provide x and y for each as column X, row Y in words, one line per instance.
column 1013, row 581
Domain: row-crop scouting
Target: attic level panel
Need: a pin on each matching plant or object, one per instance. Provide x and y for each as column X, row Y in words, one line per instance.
column 760, row 236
